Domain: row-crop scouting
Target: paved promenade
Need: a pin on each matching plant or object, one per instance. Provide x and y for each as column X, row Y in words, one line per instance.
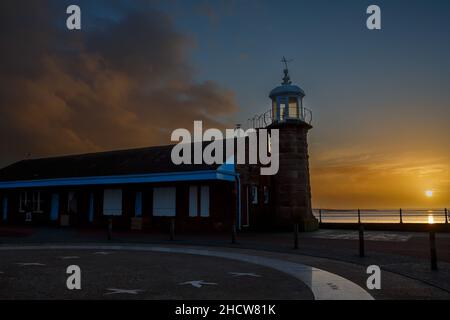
column 266, row 261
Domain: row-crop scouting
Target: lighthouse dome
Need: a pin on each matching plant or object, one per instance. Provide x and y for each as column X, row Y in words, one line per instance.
column 287, row 90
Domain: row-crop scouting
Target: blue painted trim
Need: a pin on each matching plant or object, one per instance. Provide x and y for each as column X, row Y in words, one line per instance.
column 228, row 166
column 138, row 205
column 226, row 176
column 124, row 179
column 91, row 207
column 5, row 208
column 55, row 207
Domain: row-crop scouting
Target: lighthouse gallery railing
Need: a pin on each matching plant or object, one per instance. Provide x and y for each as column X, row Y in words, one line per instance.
column 264, row 119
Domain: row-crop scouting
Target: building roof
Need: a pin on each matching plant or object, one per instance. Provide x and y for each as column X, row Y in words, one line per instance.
column 113, row 163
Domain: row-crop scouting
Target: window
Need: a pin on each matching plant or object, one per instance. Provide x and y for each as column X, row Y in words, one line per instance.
column 274, row 110
column 112, row 202
column 164, row 202
column 282, row 111
column 37, row 202
column 266, row 194
column 254, row 194
column 23, row 201
column 199, row 201
column 30, row 201
column 293, row 107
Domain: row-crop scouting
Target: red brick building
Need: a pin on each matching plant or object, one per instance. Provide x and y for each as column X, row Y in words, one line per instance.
column 143, row 189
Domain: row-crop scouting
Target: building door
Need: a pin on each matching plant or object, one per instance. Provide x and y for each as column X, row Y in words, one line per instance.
column 72, row 210
column 55, row 207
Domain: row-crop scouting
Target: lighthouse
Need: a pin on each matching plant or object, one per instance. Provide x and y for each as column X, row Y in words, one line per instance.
column 291, row 188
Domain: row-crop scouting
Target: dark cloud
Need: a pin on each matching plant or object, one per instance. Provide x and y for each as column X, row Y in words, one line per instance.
column 118, row 83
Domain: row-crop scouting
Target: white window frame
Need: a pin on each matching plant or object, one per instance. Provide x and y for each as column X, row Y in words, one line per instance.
column 115, row 207
column 164, row 201
column 23, row 201
column 199, row 201
column 33, row 198
column 36, row 202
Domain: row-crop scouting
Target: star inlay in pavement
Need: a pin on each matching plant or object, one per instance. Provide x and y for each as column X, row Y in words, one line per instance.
column 123, row 291
column 244, row 274
column 198, row 283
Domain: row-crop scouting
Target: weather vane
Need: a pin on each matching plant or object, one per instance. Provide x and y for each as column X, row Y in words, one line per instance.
column 286, row 78
column 285, row 62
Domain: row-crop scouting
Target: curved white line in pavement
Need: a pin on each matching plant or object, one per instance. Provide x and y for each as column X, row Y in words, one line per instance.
column 323, row 284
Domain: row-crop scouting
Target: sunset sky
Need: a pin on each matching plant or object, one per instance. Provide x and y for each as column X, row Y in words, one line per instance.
column 139, row 69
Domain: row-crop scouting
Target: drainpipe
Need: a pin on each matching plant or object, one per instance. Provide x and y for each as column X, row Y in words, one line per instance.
column 237, row 180
column 238, row 187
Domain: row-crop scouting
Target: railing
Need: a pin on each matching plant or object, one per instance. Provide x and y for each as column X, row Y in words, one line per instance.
column 260, row 121
column 431, row 216
column 264, row 119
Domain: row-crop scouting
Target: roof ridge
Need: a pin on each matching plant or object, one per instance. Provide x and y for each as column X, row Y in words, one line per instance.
column 107, row 152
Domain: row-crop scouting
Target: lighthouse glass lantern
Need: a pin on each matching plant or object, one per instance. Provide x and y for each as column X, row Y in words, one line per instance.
column 287, row 101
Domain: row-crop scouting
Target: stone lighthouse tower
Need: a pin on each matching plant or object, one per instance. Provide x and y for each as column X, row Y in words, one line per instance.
column 291, row 185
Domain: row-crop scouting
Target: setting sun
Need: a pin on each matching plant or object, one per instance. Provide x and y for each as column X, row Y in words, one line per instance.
column 429, row 193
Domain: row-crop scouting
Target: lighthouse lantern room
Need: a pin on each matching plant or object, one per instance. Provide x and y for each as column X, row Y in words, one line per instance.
column 287, row 100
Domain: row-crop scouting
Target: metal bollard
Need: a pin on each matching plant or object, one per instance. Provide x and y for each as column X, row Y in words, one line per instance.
column 401, row 215
column 296, row 236
column 172, row 229
column 359, row 216
column 433, row 255
column 361, row 241
column 233, row 234
column 109, row 229
column 446, row 216
column 320, row 215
